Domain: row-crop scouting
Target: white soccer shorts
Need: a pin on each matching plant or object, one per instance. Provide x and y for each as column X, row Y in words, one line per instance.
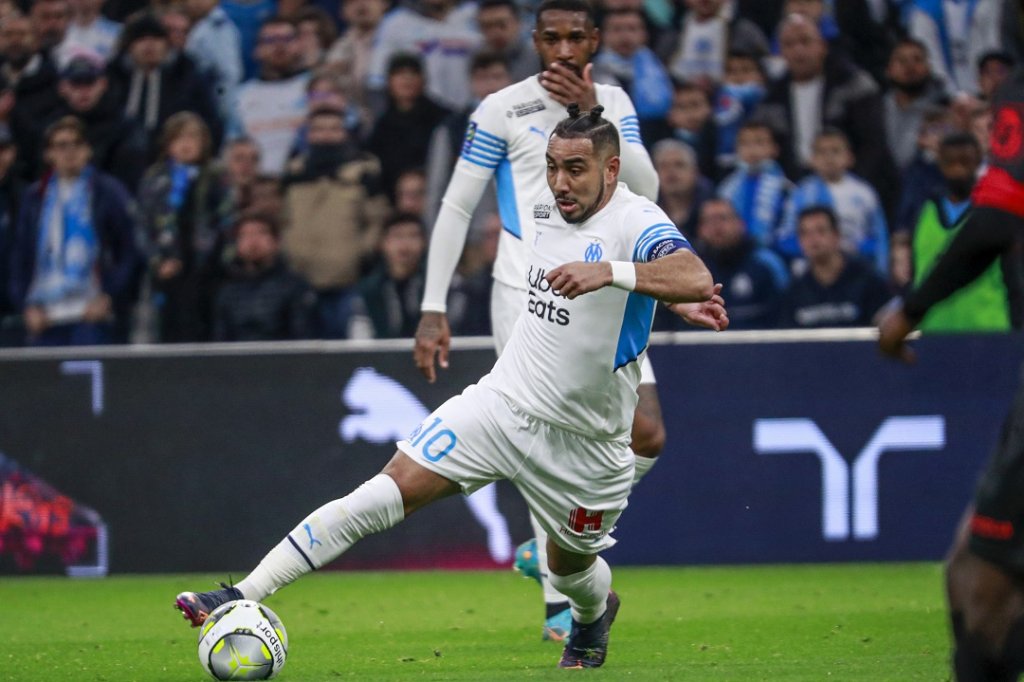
column 575, row 486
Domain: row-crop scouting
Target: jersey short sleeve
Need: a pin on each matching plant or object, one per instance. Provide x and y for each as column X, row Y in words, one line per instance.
column 655, row 236
column 485, row 144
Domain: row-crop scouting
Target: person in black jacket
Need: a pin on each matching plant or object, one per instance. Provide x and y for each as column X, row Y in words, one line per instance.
column 262, row 300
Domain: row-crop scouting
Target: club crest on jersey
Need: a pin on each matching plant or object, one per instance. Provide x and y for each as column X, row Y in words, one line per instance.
column 593, row 253
column 467, row 143
column 526, row 108
column 541, row 211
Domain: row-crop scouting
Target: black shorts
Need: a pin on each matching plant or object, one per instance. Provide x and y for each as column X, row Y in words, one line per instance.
column 997, row 527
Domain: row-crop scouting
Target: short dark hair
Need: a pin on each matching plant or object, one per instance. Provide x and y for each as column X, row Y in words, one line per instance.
column 66, row 123
column 679, row 85
column 819, row 209
column 403, row 218
column 759, row 123
column 485, row 60
column 405, row 61
column 568, row 6
column 996, row 55
column 590, row 125
column 265, row 218
column 622, row 12
column 492, row 4
column 909, row 41
column 960, row 139
column 327, row 112
column 834, row 132
column 744, row 53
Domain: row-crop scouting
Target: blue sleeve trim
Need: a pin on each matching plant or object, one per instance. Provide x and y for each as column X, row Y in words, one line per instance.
column 652, row 236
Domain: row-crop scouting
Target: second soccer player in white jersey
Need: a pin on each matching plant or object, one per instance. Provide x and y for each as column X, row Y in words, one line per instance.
column 506, row 140
column 554, row 414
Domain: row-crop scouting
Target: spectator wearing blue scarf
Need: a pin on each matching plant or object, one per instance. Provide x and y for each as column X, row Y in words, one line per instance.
column 74, row 260
column 187, row 209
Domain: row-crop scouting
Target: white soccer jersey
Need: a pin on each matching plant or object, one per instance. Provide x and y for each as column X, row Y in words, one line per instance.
column 508, row 137
column 575, row 364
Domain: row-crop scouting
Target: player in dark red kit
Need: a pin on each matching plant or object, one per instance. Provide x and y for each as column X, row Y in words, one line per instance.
column 985, row 570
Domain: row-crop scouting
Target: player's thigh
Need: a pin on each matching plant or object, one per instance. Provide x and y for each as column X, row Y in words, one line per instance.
column 464, row 440
column 576, row 487
column 507, row 304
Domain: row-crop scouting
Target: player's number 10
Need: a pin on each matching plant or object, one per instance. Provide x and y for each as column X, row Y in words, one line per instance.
column 440, row 452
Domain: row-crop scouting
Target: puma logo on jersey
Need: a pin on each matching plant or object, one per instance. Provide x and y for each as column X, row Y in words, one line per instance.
column 383, row 410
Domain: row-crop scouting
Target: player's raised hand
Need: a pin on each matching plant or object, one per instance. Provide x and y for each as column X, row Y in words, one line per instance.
column 433, row 339
column 892, row 336
column 709, row 314
column 575, row 279
column 567, row 86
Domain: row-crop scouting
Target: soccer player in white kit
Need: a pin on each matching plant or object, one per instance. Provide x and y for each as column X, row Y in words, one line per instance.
column 506, row 140
column 554, row 414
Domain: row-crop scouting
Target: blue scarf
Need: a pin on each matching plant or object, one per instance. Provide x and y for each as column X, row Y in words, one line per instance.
column 182, row 175
column 66, row 272
column 651, row 89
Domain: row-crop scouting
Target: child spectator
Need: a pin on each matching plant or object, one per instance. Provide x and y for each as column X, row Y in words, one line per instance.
column 690, row 121
column 241, row 162
column 837, row 290
column 862, row 226
column 740, row 93
column 707, row 36
column 758, row 189
column 390, row 295
column 186, row 208
column 262, row 300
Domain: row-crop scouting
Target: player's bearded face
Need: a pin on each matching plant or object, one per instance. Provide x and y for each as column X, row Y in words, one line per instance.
column 577, row 177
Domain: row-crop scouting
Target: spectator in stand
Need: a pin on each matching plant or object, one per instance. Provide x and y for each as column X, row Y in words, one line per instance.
column 401, row 136
column 502, row 30
column 753, row 277
column 625, row 60
column 33, row 75
column 249, row 16
column 957, row 34
column 411, row 192
column 11, row 190
column 74, row 261
column 994, row 67
column 984, row 305
column 488, row 73
column 317, row 32
column 335, row 211
column 177, row 22
column 682, row 190
column 736, row 99
column 325, row 91
column 215, row 44
column 707, row 36
column 863, row 230
column 262, row 300
column 390, row 295
column 271, row 109
column 119, row 145
column 433, row 23
column 469, row 297
column 922, row 176
column 155, row 84
column 267, row 195
column 50, row 19
column 690, row 120
column 838, row 290
column 91, row 32
column 758, row 189
column 821, row 90
column 186, row 210
column 241, row 161
column 913, row 90
column 351, row 53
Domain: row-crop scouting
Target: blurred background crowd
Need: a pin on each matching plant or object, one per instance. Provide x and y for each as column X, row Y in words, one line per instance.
column 270, row 169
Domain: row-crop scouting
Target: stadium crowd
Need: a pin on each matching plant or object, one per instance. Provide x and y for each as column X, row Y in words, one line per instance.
column 261, row 169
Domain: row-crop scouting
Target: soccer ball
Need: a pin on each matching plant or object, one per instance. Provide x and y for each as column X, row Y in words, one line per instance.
column 242, row 640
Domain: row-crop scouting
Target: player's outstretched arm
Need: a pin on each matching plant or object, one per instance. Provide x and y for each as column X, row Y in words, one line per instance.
column 710, row 314
column 679, row 277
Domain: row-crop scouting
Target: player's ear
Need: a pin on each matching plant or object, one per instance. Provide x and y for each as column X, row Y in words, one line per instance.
column 611, row 170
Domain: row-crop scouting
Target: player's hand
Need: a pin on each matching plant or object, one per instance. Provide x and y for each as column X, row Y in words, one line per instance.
column 36, row 321
column 709, row 314
column 892, row 336
column 575, row 279
column 433, row 339
column 98, row 309
column 566, row 86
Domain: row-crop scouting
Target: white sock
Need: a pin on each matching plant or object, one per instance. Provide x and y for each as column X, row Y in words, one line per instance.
column 551, row 595
column 643, row 465
column 325, row 534
column 587, row 591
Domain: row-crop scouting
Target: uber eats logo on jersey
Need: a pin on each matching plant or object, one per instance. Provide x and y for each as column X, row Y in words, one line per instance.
column 548, row 311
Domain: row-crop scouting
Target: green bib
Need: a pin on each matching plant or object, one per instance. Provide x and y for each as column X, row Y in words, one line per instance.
column 980, row 306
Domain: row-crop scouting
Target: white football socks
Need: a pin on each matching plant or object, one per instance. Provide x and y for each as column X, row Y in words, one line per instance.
column 587, row 591
column 325, row 534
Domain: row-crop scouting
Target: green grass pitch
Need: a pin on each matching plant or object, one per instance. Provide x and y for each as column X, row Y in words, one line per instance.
column 835, row 622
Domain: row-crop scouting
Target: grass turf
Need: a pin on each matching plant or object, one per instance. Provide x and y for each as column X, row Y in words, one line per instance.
column 838, row 622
